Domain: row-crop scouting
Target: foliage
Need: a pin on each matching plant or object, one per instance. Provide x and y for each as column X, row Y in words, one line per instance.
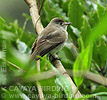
column 88, row 33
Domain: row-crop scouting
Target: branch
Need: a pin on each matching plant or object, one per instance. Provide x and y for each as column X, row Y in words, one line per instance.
column 91, row 76
column 59, row 65
column 51, row 73
column 96, row 78
column 34, row 14
column 38, row 26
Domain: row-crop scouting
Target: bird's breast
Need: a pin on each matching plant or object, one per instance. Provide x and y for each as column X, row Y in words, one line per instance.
column 65, row 33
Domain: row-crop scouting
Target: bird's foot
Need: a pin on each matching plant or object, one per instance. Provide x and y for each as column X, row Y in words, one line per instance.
column 53, row 58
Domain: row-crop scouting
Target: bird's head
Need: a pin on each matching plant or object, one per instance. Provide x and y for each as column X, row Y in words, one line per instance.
column 58, row 22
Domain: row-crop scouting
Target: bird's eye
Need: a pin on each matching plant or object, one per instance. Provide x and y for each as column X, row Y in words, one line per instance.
column 61, row 23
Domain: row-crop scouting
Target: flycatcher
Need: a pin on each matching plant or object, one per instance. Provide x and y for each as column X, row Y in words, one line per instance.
column 51, row 39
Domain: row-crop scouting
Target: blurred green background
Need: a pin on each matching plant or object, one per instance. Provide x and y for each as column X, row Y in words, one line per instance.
column 14, row 9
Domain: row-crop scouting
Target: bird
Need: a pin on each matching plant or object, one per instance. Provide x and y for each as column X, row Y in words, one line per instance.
column 51, row 39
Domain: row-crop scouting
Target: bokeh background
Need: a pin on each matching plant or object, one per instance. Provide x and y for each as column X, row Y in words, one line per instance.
column 14, row 9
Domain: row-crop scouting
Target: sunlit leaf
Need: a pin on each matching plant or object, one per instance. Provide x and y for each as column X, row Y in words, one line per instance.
column 75, row 13
column 82, row 63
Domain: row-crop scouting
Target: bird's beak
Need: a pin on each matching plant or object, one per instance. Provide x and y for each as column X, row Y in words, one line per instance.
column 67, row 23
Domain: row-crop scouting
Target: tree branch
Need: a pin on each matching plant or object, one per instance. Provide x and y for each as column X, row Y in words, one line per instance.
column 51, row 73
column 59, row 65
column 91, row 76
column 38, row 26
column 34, row 14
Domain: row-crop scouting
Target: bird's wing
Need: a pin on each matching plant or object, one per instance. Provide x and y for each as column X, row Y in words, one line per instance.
column 33, row 46
column 48, row 43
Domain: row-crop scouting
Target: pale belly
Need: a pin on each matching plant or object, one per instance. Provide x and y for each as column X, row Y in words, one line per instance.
column 58, row 48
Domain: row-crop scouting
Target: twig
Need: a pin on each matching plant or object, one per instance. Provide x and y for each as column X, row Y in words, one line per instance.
column 41, row 96
column 39, row 1
column 41, row 7
column 38, row 83
column 34, row 14
column 96, row 78
column 75, row 93
column 38, row 65
column 17, row 67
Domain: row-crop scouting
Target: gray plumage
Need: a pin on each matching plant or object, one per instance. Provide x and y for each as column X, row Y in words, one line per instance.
column 51, row 38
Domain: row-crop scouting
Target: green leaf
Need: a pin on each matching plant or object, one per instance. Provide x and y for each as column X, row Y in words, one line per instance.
column 101, row 89
column 68, row 53
column 101, row 10
column 104, row 2
column 90, row 6
column 51, row 90
column 93, row 18
column 2, row 55
column 28, row 36
column 2, row 20
column 75, row 31
column 14, row 27
column 53, row 10
column 81, row 44
column 15, row 93
column 7, row 35
column 67, row 63
column 98, row 30
column 66, row 86
column 66, row 57
column 104, row 97
column 2, row 23
column 75, row 13
column 28, row 17
column 17, row 58
column 100, row 51
column 65, row 4
column 85, row 30
column 45, row 64
column 91, row 95
column 64, row 83
column 82, row 64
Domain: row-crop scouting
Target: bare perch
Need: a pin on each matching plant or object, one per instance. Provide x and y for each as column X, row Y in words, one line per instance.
column 39, row 27
column 35, row 16
column 51, row 73
column 59, row 65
